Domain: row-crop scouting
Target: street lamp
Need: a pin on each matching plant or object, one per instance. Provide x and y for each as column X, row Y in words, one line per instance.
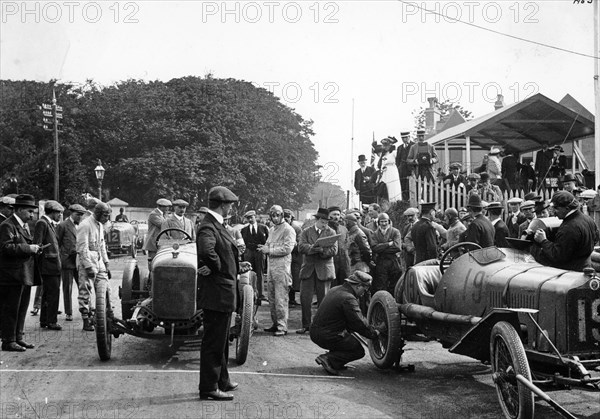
column 99, row 175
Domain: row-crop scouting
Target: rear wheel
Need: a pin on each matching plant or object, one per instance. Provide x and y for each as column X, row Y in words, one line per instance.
column 243, row 340
column 384, row 315
column 103, row 320
column 509, row 359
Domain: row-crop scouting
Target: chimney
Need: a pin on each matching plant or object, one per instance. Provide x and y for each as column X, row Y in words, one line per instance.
column 432, row 116
column 499, row 102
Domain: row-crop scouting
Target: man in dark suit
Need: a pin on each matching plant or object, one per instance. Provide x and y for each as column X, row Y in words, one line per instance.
column 49, row 263
column 454, row 178
column 480, row 230
column 494, row 210
column 423, row 234
column 254, row 235
column 515, row 217
column 17, row 273
column 341, row 260
column 317, row 270
column 364, row 181
column 155, row 220
column 66, row 235
column 218, row 270
column 404, row 169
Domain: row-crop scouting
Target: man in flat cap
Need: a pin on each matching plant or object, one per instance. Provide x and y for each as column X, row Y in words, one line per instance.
column 364, row 181
column 480, row 230
column 155, row 220
column 405, row 169
column 218, row 269
column 528, row 208
column 424, row 234
column 454, row 178
column 423, row 156
column 6, row 208
column 494, row 210
column 359, row 250
column 17, row 273
column 455, row 228
column 574, row 241
column 386, row 244
column 66, row 235
column 255, row 234
column 278, row 249
column 317, row 270
column 515, row 217
column 178, row 220
column 341, row 260
column 336, row 319
column 49, row 263
column 93, row 260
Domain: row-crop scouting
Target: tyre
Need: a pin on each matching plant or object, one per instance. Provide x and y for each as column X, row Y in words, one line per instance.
column 508, row 359
column 243, row 340
column 130, row 277
column 103, row 322
column 383, row 313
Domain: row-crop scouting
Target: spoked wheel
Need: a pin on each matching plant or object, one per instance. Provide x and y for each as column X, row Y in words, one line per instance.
column 509, row 359
column 103, row 320
column 384, row 315
column 242, row 341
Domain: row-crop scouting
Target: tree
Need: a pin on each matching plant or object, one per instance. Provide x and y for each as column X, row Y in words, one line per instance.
column 445, row 108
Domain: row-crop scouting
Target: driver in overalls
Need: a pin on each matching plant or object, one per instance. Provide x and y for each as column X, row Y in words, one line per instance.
column 93, row 260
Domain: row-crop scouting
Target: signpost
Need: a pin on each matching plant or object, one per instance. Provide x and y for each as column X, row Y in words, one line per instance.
column 51, row 116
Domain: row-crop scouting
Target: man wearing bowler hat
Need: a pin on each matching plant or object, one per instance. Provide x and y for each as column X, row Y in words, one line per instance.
column 49, row 263
column 494, row 210
column 317, row 270
column 254, row 235
column 337, row 318
column 66, row 234
column 424, row 235
column 155, row 220
column 364, row 181
column 17, row 273
column 218, row 270
column 574, row 241
column 480, row 230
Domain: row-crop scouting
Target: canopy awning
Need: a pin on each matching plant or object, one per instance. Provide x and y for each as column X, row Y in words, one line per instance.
column 523, row 126
column 116, row 202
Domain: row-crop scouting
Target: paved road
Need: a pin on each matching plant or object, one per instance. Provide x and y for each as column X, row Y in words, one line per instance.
column 64, row 378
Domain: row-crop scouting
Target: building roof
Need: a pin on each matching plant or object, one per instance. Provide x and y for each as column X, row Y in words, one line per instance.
column 524, row 126
column 116, row 202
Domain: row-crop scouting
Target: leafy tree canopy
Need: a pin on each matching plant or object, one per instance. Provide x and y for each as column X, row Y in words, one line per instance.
column 172, row 139
column 445, row 108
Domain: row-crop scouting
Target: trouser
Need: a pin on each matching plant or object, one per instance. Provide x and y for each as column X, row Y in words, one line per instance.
column 278, row 302
column 342, row 349
column 37, row 300
column 68, row 276
column 86, row 286
column 296, row 264
column 50, row 298
column 256, row 258
column 341, row 270
column 214, row 351
column 14, row 301
column 307, row 290
column 387, row 273
column 425, row 173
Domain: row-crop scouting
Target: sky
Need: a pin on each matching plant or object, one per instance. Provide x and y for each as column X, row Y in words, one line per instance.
column 358, row 69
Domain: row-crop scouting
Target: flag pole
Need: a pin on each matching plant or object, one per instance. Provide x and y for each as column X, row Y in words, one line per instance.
column 350, row 195
column 597, row 92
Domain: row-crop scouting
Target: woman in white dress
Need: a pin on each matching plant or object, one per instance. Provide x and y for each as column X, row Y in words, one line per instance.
column 389, row 170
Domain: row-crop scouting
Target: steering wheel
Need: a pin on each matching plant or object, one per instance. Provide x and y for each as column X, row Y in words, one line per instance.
column 474, row 246
column 187, row 236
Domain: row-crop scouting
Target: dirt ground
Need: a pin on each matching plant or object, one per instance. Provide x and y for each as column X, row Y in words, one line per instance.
column 64, row 378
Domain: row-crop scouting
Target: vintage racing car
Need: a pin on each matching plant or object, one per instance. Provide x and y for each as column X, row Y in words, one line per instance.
column 162, row 303
column 537, row 326
column 141, row 231
column 121, row 239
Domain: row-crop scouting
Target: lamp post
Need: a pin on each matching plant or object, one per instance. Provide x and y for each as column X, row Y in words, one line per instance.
column 99, row 175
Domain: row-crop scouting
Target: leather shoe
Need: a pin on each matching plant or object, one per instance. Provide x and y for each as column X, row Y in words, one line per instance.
column 69, row 318
column 324, row 362
column 231, row 386
column 271, row 329
column 12, row 347
column 215, row 395
column 54, row 326
column 280, row 333
column 303, row 330
column 43, row 325
column 35, row 311
column 25, row 344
